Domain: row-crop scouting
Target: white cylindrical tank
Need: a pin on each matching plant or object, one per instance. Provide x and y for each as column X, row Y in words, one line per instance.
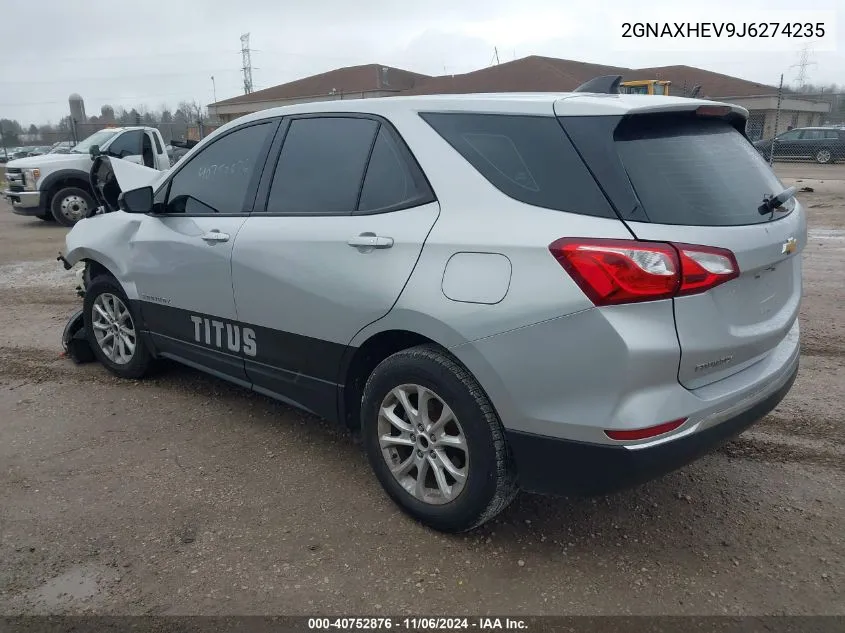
column 77, row 108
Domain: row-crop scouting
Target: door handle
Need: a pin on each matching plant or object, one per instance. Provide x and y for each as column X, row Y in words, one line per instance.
column 215, row 236
column 370, row 240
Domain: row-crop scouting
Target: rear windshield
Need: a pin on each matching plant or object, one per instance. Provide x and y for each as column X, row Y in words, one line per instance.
column 528, row 158
column 694, row 171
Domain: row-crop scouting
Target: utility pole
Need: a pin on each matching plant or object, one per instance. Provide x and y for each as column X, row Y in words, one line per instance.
column 777, row 122
column 214, row 88
column 247, row 63
column 3, row 142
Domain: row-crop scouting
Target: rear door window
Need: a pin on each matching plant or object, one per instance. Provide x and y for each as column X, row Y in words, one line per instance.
column 694, row 171
column 528, row 158
column 321, row 166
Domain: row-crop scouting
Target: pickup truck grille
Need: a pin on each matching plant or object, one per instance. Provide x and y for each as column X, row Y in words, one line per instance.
column 15, row 179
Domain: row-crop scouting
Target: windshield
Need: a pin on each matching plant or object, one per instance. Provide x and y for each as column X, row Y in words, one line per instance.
column 97, row 138
column 634, row 90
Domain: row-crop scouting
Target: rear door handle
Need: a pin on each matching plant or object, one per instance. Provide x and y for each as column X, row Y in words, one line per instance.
column 370, row 240
column 215, row 236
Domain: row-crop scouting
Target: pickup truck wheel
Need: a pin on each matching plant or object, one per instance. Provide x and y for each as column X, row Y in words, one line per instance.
column 112, row 329
column 70, row 205
column 435, row 441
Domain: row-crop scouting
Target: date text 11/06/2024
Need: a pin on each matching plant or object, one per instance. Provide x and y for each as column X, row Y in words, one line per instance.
column 415, row 624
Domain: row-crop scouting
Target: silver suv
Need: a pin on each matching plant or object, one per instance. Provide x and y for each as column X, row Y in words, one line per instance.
column 565, row 293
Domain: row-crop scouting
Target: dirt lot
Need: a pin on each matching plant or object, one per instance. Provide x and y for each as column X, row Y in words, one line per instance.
column 184, row 495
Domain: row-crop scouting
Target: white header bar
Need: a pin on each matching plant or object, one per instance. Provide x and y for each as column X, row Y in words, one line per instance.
column 699, row 29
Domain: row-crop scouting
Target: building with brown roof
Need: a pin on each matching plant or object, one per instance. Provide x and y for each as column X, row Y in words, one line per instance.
column 352, row 82
column 533, row 74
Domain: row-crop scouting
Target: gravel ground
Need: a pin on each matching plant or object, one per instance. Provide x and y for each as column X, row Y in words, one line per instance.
column 184, row 495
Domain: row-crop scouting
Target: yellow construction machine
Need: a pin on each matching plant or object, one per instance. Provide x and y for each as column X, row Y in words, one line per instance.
column 613, row 84
column 645, row 87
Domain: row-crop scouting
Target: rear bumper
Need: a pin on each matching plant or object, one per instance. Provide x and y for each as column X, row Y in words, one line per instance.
column 554, row 466
column 25, row 202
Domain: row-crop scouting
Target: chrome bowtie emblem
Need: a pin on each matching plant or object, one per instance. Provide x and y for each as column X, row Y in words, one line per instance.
column 789, row 246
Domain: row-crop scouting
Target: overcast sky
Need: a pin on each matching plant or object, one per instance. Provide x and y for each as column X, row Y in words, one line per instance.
column 157, row 52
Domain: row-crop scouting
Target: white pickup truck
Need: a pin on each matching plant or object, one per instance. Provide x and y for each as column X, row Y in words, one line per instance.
column 58, row 186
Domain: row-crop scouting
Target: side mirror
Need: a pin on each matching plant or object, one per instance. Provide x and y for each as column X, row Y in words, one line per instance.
column 94, row 151
column 136, row 200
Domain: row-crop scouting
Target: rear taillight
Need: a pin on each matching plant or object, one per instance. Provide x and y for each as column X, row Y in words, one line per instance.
column 611, row 272
column 704, row 267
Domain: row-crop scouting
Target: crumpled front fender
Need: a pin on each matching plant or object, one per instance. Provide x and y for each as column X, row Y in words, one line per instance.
column 105, row 239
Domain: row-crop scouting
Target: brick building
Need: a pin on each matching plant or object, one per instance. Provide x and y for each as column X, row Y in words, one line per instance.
column 533, row 74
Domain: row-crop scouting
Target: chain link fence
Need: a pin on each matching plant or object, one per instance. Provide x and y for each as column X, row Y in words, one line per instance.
column 63, row 139
column 175, row 131
column 793, row 127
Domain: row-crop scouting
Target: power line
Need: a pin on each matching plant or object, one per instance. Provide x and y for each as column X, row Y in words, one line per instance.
column 190, row 73
column 247, row 63
column 112, row 99
column 110, row 57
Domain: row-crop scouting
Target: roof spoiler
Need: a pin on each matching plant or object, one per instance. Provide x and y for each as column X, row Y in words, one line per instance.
column 606, row 84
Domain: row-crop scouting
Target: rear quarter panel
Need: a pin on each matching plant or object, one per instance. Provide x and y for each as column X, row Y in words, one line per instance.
column 476, row 217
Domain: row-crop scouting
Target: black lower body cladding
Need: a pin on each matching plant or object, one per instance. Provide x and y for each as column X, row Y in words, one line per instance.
column 551, row 466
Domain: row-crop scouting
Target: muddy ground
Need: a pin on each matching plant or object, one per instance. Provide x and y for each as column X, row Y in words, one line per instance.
column 183, row 495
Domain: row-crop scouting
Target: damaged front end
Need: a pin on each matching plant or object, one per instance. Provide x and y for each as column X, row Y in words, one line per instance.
column 75, row 344
column 101, row 242
column 110, row 177
column 75, row 340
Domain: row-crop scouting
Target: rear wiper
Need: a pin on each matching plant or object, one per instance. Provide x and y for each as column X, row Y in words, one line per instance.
column 771, row 203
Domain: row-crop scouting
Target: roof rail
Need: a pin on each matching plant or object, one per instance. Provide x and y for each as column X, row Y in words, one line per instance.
column 606, row 84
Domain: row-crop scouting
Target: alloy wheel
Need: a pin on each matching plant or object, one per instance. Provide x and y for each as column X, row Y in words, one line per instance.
column 113, row 328
column 423, row 444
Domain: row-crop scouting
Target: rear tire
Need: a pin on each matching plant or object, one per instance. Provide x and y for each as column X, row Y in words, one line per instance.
column 461, row 487
column 112, row 329
column 71, row 204
column 824, row 156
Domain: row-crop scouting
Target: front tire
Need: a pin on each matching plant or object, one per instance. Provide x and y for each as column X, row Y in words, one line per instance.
column 435, row 441
column 112, row 329
column 70, row 205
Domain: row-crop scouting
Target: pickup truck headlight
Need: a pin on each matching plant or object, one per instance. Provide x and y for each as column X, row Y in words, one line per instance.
column 30, row 177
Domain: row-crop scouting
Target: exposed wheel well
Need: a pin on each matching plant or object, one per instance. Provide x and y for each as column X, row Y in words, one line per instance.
column 94, row 269
column 366, row 358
